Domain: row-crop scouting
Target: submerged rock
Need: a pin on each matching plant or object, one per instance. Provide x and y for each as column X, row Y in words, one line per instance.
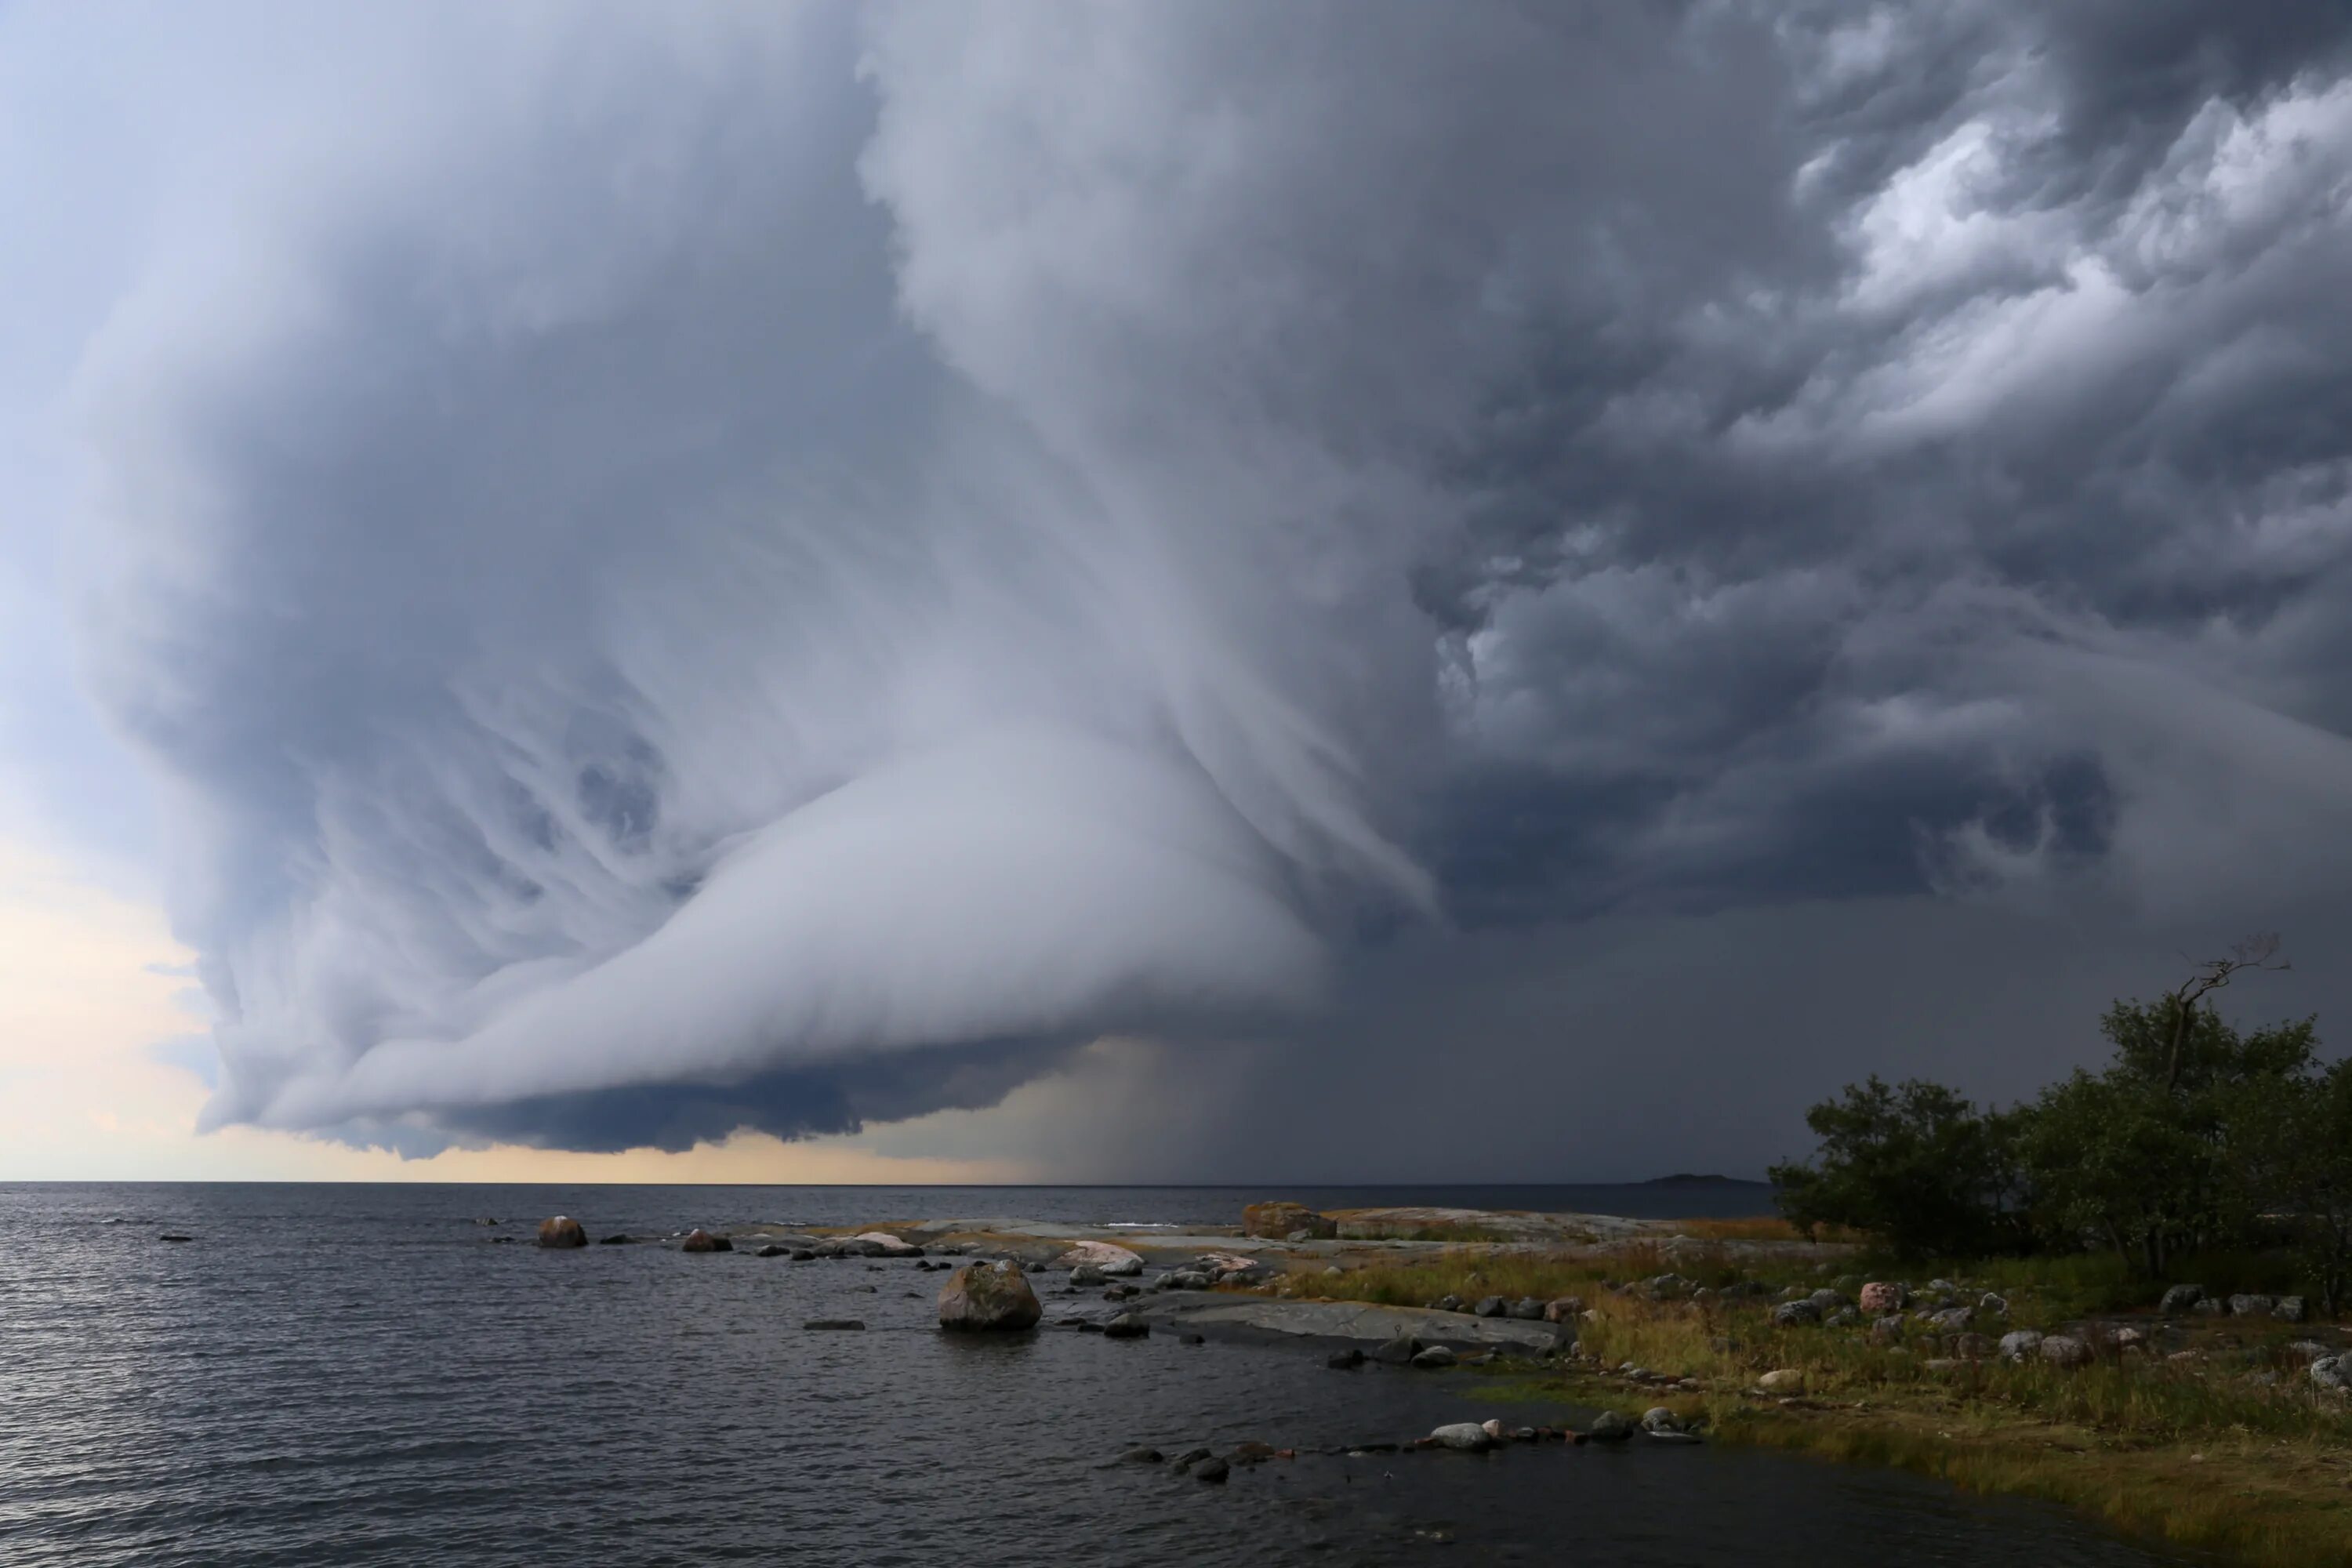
column 1212, row 1470
column 1344, row 1360
column 1609, row 1426
column 771, row 1250
column 561, row 1231
column 1126, row 1326
column 988, row 1296
column 618, row 1239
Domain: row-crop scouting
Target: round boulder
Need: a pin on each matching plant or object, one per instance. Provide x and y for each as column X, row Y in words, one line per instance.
column 2065, row 1349
column 700, row 1240
column 1881, row 1296
column 561, row 1231
column 1467, row 1437
column 988, row 1296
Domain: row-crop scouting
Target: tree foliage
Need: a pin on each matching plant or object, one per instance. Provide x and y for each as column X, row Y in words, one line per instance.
column 2193, row 1136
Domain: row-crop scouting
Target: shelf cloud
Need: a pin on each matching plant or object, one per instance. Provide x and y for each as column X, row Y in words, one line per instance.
column 791, row 567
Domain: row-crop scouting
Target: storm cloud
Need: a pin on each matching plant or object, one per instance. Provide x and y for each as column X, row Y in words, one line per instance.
column 722, row 567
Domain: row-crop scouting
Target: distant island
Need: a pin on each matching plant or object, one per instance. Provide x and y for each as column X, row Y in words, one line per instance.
column 1685, row 1178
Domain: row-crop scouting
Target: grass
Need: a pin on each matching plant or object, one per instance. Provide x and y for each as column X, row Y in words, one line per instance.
column 2201, row 1455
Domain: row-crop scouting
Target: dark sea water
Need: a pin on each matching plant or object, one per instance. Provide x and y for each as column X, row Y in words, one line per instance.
column 358, row 1375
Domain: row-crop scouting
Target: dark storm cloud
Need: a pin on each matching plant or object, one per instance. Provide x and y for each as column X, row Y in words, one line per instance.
column 714, row 574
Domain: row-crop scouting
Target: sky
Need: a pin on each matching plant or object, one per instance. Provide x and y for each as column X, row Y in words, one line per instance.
column 1150, row 591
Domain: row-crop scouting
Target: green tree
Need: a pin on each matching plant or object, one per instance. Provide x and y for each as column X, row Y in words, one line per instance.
column 1914, row 1164
column 2163, row 1152
column 2299, row 1133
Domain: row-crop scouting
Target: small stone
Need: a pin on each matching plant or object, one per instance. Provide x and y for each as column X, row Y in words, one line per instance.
column 1658, row 1418
column 1783, row 1380
column 1491, row 1307
column 1087, row 1274
column 1887, row 1330
column 1433, row 1357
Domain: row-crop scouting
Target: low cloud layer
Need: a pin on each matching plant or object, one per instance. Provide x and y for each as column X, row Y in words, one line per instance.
column 792, row 568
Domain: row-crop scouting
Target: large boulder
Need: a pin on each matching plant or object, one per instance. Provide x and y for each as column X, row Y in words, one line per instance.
column 1609, row 1426
column 561, row 1231
column 2180, row 1299
column 1103, row 1258
column 2332, row 1374
column 2021, row 1344
column 2291, row 1310
column 1279, row 1221
column 1563, row 1308
column 1789, row 1314
column 2250, row 1306
column 988, row 1296
column 1880, row 1298
column 2065, row 1349
column 699, row 1240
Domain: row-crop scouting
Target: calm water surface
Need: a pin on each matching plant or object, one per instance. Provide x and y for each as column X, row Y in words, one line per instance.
column 356, row 1375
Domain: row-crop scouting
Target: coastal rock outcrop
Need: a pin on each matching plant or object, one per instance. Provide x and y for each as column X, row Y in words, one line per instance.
column 988, row 1296
column 1102, row 1256
column 1279, row 1221
column 561, row 1231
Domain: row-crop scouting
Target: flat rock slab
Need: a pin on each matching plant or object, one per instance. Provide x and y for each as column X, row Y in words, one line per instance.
column 1362, row 1322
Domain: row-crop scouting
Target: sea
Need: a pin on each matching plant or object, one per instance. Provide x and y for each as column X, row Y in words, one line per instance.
column 332, row 1374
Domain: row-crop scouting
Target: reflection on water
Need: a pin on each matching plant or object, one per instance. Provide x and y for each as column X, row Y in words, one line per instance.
column 360, row 1374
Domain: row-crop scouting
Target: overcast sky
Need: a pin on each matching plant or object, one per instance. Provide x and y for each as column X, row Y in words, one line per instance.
column 1150, row 590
